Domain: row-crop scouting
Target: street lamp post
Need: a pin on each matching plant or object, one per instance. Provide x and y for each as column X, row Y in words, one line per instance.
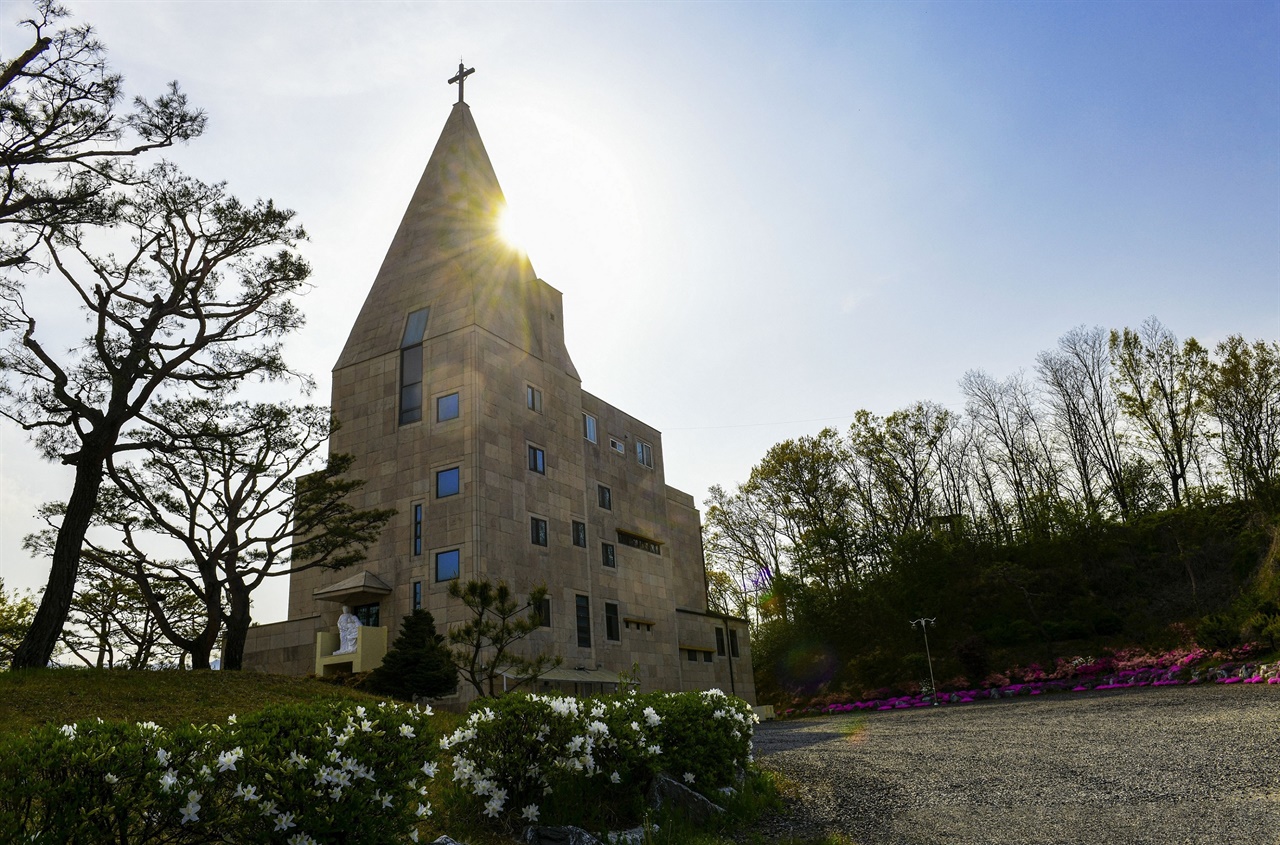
column 922, row 622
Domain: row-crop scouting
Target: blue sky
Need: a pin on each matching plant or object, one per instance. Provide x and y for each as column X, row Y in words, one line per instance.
column 763, row 217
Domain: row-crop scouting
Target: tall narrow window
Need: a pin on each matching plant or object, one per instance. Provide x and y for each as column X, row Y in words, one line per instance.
column 447, row 407
column 589, row 427
column 720, row 641
column 612, row 631
column 584, row 622
column 533, row 398
column 448, row 482
column 733, row 642
column 605, row 497
column 417, row 595
column 544, row 613
column 411, row 367
column 537, row 460
column 447, row 565
column 580, row 534
column 608, row 556
column 644, row 454
column 417, row 530
column 537, row 531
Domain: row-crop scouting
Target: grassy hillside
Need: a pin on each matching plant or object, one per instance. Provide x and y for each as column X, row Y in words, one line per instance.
column 59, row 696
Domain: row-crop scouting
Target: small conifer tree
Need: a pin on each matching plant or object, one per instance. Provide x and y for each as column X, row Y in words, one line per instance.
column 418, row 662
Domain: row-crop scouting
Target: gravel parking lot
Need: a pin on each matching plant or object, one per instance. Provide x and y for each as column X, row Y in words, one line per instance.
column 1150, row 765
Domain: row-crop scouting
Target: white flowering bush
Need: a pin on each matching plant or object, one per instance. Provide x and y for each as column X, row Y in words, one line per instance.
column 556, row 759
column 293, row 774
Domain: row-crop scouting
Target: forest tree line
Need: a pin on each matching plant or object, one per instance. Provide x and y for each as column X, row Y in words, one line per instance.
column 1113, row 490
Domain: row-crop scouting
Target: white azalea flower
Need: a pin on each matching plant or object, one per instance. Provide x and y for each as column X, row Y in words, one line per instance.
column 429, row 769
column 424, row 810
column 227, row 759
column 231, row 720
column 110, row 778
column 168, row 781
column 530, row 813
column 69, row 731
column 615, row 778
column 285, row 821
column 651, row 716
column 162, row 757
column 406, row 731
column 688, row 777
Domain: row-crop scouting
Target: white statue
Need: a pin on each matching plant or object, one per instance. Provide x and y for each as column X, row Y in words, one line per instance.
column 348, row 628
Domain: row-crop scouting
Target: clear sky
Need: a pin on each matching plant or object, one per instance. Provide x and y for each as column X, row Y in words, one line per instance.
column 763, row 217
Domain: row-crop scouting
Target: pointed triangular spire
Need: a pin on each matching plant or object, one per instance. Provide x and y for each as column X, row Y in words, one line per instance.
column 447, row 253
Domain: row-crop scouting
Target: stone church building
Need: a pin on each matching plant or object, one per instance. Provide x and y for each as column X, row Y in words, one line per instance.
column 463, row 409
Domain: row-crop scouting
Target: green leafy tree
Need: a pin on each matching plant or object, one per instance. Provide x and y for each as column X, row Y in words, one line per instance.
column 482, row 645
column 418, row 664
column 1243, row 395
column 1160, row 385
column 16, row 613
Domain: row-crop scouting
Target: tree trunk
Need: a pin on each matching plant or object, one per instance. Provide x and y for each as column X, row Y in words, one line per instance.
column 237, row 630
column 37, row 646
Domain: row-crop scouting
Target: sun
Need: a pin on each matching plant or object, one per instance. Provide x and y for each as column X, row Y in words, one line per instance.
column 514, row 228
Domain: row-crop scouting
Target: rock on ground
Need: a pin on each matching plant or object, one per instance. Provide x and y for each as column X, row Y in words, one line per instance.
column 1150, row 765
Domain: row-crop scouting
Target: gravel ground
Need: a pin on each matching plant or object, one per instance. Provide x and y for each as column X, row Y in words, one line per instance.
column 1152, row 765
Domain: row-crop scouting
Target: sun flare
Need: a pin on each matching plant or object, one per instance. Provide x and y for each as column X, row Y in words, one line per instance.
column 514, row 228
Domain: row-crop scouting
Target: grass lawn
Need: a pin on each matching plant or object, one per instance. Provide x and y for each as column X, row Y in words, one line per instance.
column 33, row 697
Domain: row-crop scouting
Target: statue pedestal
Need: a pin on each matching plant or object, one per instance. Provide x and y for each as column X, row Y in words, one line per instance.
column 371, row 647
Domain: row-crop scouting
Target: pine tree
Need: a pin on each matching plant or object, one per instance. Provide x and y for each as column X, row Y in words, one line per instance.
column 418, row 662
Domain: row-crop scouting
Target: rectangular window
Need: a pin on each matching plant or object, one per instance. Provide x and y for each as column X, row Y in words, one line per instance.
column 533, row 398
column 544, row 613
column 448, row 482
column 706, row 657
column 605, row 497
column 580, row 534
column 612, row 631
column 616, row 445
column 691, row 655
column 537, row 460
column 720, row 641
column 417, row 595
column 447, row 407
column 537, row 531
column 415, row 329
column 367, row 614
column 635, row 541
column 644, row 454
column 417, row 530
column 448, row 564
column 411, row 384
column 589, row 427
column 608, row 556
column 733, row 642
column 584, row 622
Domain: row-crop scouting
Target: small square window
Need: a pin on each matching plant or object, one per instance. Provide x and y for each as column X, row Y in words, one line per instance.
column 580, row 534
column 691, row 655
column 612, row 631
column 644, row 454
column 447, row 407
column 448, row 482
column 544, row 613
column 608, row 556
column 616, row 445
column 368, row 614
column 447, row 565
column 706, row 657
column 605, row 497
column 533, row 398
column 537, row 460
column 537, row 531
column 589, row 427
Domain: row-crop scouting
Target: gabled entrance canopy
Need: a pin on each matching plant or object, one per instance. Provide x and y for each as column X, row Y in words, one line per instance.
column 362, row 588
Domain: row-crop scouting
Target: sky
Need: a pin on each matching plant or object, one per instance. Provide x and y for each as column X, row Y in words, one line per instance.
column 763, row 217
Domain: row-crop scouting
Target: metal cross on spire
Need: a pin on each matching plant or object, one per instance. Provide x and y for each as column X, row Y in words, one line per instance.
column 461, row 78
